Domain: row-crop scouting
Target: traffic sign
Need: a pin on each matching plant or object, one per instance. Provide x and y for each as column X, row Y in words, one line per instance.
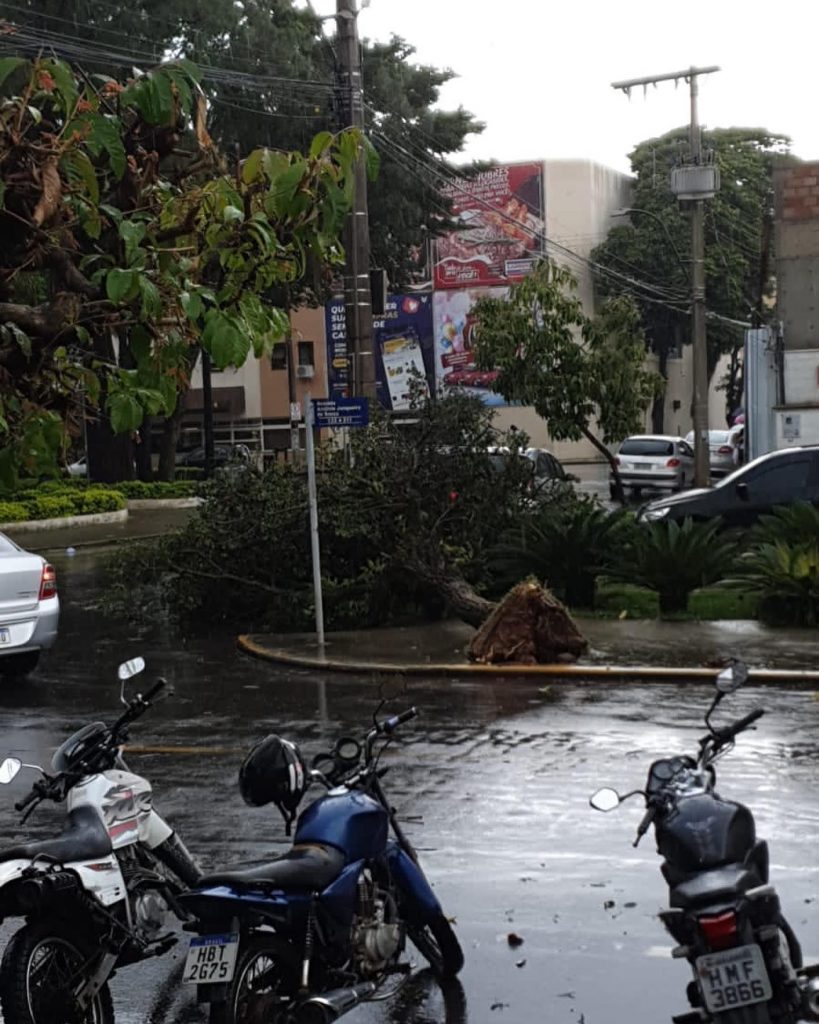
column 341, row 412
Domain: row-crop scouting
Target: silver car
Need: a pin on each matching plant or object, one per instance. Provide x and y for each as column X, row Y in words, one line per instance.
column 29, row 608
column 655, row 461
column 724, row 449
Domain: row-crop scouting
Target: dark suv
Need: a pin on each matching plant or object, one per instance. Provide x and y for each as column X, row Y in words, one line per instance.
column 778, row 478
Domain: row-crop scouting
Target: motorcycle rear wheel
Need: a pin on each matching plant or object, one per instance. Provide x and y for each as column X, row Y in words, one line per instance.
column 267, row 970
column 37, row 975
column 438, row 945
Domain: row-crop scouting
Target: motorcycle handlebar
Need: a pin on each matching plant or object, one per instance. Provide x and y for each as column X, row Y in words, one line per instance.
column 138, row 706
column 728, row 733
column 648, row 818
column 158, row 686
column 389, row 725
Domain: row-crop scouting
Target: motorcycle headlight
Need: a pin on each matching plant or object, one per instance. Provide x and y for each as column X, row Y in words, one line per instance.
column 651, row 515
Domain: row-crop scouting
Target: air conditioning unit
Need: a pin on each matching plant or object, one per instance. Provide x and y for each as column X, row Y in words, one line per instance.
column 305, row 371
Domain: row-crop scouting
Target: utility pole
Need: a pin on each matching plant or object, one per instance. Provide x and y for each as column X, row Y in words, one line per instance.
column 357, row 300
column 207, row 414
column 696, row 181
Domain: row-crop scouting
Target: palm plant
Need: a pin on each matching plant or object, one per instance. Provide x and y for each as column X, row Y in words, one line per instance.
column 673, row 559
column 786, row 578
column 791, row 524
column 565, row 544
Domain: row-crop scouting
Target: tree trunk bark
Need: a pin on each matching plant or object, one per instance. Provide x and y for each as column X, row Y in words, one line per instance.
column 168, row 443
column 142, row 452
column 619, row 493
column 459, row 594
column 658, row 408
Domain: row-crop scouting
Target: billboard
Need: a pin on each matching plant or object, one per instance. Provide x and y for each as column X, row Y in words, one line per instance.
column 501, row 229
column 403, row 346
column 454, row 362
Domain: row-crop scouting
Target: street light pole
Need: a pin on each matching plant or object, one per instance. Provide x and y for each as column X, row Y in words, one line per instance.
column 695, row 182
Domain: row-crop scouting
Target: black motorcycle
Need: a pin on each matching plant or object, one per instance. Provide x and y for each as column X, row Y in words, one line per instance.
column 723, row 913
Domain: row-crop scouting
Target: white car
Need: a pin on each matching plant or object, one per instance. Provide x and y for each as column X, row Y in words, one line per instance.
column 29, row 608
column 655, row 461
column 724, row 449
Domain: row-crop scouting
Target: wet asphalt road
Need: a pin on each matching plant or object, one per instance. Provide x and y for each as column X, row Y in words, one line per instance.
column 501, row 773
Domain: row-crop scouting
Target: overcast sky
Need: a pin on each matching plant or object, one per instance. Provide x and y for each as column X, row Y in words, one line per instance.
column 538, row 72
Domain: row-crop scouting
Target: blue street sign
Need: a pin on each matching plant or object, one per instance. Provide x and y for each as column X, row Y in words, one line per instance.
column 341, row 412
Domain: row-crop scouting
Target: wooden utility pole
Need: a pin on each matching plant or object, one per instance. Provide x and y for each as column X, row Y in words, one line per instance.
column 696, row 181
column 357, row 300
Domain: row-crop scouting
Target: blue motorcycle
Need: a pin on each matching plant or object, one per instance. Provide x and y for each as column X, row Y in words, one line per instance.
column 306, row 937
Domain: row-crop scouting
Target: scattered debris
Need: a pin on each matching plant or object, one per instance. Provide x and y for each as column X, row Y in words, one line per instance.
column 499, row 1006
column 520, row 963
column 608, row 904
column 629, row 905
column 514, row 940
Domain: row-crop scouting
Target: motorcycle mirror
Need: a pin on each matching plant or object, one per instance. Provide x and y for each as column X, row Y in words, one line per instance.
column 732, row 677
column 347, row 749
column 605, row 799
column 131, row 668
column 9, row 769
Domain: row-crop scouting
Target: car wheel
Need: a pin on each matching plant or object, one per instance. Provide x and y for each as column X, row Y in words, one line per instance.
column 17, row 666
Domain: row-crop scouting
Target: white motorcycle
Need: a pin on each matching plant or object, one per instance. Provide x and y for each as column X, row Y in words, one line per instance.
column 99, row 896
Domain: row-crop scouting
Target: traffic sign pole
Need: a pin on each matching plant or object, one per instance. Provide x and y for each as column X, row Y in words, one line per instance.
column 313, row 505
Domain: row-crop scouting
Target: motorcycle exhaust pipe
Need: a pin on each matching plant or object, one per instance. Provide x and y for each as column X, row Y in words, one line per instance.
column 329, row 1006
column 31, row 893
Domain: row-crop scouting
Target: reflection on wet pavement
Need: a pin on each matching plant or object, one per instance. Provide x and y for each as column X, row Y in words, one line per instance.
column 500, row 774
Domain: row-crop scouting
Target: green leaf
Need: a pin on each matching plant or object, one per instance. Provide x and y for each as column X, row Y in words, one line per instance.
column 283, row 188
column 103, row 136
column 8, row 65
column 125, row 411
column 35, row 113
column 66, row 86
column 252, row 166
column 112, row 212
column 78, row 167
column 151, row 299
column 226, row 343
column 372, row 159
column 320, row 144
column 192, row 304
column 121, row 285
column 131, row 232
column 82, row 334
column 167, row 388
column 232, row 213
column 22, row 340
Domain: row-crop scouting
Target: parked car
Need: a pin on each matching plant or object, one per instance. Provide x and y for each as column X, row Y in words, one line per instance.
column 223, row 455
column 29, row 608
column 546, row 471
column 724, row 449
column 79, row 467
column 778, row 478
column 655, row 461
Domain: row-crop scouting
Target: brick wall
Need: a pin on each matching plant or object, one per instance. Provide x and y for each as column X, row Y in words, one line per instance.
column 800, row 192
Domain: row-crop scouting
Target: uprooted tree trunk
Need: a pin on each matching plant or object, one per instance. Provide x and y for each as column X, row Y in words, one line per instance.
column 528, row 627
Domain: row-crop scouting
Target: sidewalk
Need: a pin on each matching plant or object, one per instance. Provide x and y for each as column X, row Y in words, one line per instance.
column 617, row 649
column 140, row 524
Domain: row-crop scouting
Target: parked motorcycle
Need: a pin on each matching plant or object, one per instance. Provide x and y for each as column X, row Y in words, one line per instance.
column 311, row 934
column 97, row 897
column 723, row 912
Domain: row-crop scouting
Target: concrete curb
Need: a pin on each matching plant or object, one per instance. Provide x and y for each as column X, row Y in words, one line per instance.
column 96, row 518
column 555, row 673
column 149, row 503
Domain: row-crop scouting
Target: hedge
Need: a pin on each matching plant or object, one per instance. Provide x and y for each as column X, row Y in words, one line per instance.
column 74, row 486
column 90, row 501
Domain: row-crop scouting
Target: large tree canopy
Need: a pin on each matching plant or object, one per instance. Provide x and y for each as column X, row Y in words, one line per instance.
column 269, row 74
column 127, row 245
column 655, row 247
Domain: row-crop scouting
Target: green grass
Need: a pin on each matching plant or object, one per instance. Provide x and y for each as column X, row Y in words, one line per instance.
column 720, row 603
column 612, row 599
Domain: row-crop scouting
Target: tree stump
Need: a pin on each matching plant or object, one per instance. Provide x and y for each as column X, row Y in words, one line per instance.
column 528, row 627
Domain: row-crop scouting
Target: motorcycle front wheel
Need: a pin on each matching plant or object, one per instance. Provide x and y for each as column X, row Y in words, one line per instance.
column 438, row 945
column 41, row 966
column 264, row 982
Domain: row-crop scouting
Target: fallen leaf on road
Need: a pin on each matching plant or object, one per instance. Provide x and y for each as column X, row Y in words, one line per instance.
column 514, row 940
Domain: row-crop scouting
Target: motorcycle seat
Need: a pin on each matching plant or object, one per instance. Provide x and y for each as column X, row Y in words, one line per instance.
column 723, row 883
column 305, row 867
column 83, row 838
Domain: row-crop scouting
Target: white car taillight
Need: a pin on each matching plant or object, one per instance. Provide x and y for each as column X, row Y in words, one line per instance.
column 48, row 582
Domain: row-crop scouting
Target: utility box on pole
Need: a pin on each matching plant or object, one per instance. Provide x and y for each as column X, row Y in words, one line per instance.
column 695, row 181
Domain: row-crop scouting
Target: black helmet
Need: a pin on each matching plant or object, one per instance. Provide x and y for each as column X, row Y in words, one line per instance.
column 274, row 772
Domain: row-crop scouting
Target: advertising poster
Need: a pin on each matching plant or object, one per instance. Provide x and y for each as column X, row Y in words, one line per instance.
column 454, row 362
column 501, row 228
column 404, row 346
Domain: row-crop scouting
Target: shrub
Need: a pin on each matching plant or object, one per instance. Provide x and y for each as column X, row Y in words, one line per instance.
column 133, row 489
column 565, row 544
column 790, row 524
column 50, row 506
column 673, row 559
column 13, row 512
column 785, row 579
column 617, row 598
column 96, row 500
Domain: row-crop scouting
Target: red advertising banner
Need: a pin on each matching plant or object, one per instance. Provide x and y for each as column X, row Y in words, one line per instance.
column 501, row 228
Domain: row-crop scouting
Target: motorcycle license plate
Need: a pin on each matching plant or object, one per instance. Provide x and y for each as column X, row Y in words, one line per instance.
column 211, row 959
column 732, row 978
